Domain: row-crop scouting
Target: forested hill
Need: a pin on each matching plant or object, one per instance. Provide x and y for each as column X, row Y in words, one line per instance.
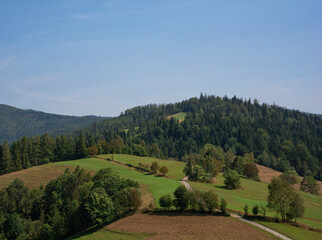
column 279, row 138
column 15, row 123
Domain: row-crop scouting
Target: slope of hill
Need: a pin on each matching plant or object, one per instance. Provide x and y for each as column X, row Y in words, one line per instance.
column 15, row 123
column 251, row 193
column 280, row 138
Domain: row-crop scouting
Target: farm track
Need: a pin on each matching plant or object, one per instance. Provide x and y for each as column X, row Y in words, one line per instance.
column 187, row 185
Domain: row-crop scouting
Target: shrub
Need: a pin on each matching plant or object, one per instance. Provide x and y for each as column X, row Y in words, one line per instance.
column 250, row 170
column 309, row 185
column 166, row 201
column 255, row 210
column 181, row 200
column 164, row 170
column 223, row 207
column 154, row 167
column 232, row 180
column 92, row 151
column 126, row 200
column 211, row 200
column 246, row 210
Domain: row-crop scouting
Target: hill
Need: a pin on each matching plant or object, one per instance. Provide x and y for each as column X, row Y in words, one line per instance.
column 251, row 193
column 15, row 123
column 280, row 138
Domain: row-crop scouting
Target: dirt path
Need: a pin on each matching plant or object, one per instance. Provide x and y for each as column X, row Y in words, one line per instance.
column 187, row 185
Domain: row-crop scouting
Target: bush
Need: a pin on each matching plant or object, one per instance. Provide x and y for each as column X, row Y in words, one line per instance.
column 263, row 210
column 223, row 207
column 309, row 185
column 99, row 206
column 164, row 170
column 250, row 170
column 92, row 151
column 211, row 200
column 126, row 200
column 181, row 200
column 246, row 210
column 154, row 167
column 232, row 180
column 255, row 210
column 166, row 201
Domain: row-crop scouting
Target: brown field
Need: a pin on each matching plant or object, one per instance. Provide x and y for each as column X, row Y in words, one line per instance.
column 36, row 176
column 266, row 174
column 33, row 177
column 188, row 226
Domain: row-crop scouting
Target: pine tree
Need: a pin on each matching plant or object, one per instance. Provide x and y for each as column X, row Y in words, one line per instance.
column 80, row 150
column 6, row 161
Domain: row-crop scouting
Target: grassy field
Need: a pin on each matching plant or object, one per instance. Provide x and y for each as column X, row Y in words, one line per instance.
column 253, row 193
column 179, row 116
column 158, row 186
column 109, row 234
column 33, row 177
column 175, row 167
column 292, row 232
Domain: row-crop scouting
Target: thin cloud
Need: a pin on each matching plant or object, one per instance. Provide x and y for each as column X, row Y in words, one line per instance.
column 10, row 62
column 47, row 97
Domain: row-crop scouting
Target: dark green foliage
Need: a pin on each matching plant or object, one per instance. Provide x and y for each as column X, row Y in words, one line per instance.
column 166, row 201
column 310, row 185
column 211, row 200
column 99, row 206
column 181, row 199
column 127, row 200
column 289, row 178
column 296, row 208
column 250, row 170
column 255, row 210
column 69, row 204
column 15, row 123
column 284, row 200
column 232, row 180
column 112, row 182
column 223, row 207
column 246, row 210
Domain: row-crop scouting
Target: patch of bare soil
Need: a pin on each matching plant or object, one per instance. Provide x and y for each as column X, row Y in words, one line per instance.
column 188, row 226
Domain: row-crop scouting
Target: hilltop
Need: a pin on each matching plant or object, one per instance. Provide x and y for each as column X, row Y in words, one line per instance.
column 15, row 123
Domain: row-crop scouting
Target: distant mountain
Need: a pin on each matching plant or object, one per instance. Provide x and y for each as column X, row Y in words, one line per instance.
column 15, row 123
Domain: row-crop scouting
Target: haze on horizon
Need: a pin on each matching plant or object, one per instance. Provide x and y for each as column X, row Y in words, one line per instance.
column 82, row 57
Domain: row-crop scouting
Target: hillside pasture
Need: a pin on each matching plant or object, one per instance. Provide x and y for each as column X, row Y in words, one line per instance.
column 266, row 174
column 255, row 193
column 175, row 167
column 34, row 177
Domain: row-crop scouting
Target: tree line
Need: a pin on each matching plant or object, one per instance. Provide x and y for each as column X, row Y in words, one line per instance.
column 276, row 137
column 67, row 205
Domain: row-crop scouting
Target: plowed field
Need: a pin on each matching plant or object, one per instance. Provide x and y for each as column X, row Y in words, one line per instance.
column 188, row 226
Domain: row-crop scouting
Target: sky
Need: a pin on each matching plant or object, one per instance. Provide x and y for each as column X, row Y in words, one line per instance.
column 91, row 57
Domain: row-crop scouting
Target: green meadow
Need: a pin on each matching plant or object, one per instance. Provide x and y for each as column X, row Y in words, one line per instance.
column 175, row 167
column 255, row 193
column 179, row 116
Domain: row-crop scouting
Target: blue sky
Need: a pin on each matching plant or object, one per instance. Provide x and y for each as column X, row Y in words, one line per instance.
column 80, row 57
